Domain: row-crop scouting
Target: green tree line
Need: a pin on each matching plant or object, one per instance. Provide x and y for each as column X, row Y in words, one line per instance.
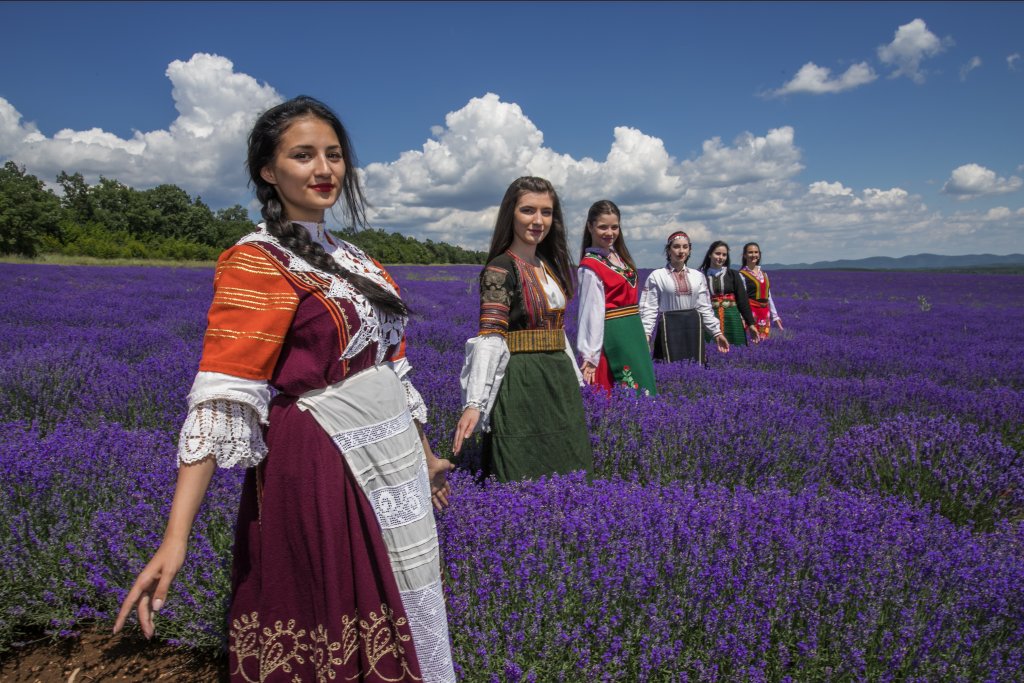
column 111, row 220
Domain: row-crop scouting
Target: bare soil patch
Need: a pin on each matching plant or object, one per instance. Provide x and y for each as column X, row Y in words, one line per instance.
column 99, row 656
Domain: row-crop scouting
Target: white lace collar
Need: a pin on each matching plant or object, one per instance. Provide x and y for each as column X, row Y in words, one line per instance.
column 375, row 325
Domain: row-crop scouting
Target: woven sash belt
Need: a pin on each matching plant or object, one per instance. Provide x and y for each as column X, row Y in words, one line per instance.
column 621, row 312
column 536, row 340
column 723, row 301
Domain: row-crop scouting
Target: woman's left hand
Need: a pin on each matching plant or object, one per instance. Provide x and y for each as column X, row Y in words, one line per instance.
column 437, row 473
column 440, row 489
column 588, row 370
column 778, row 323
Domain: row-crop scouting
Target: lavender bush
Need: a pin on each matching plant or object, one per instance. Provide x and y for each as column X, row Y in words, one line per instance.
column 841, row 502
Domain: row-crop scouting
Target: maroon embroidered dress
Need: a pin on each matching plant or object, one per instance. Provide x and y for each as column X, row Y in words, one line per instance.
column 336, row 571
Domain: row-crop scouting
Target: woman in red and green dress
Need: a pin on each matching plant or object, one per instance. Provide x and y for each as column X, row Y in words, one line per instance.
column 759, row 292
column 610, row 336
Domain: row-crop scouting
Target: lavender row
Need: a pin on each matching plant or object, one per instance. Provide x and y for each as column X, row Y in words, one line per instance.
column 563, row 580
column 889, row 399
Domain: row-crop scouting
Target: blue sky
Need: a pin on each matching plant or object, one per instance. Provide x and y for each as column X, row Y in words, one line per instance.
column 822, row 130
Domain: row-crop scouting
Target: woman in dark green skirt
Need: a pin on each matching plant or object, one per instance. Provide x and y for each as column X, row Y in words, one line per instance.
column 520, row 381
column 728, row 295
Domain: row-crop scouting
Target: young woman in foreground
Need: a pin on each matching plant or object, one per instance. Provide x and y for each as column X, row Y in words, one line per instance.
column 336, row 574
column 520, row 382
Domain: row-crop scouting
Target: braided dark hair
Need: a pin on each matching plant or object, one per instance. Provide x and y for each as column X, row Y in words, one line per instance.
column 263, row 143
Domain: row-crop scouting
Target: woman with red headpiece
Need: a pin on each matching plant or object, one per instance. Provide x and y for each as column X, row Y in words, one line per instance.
column 675, row 305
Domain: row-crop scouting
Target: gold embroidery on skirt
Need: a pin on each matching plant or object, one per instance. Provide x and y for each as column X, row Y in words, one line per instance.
column 279, row 648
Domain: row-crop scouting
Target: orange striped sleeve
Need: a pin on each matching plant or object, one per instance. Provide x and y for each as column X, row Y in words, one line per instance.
column 253, row 307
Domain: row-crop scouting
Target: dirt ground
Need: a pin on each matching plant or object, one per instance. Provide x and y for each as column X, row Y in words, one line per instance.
column 99, row 656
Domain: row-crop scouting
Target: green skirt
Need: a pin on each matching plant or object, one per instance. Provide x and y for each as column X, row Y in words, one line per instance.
column 732, row 325
column 538, row 426
column 627, row 354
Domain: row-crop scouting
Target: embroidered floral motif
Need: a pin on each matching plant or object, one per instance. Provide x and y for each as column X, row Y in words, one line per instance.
column 380, row 636
column 627, row 378
column 273, row 649
column 495, row 300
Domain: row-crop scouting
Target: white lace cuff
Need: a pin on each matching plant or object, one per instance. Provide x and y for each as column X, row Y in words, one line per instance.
column 482, row 373
column 228, row 430
column 417, row 407
column 215, row 385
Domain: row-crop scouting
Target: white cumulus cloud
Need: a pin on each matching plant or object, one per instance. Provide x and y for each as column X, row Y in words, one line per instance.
column 751, row 159
column 449, row 188
column 829, row 189
column 201, row 151
column 970, row 66
column 818, row 80
column 1011, row 61
column 972, row 180
column 912, row 44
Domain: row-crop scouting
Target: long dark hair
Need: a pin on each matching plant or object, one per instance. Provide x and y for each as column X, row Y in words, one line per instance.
column 707, row 257
column 263, row 143
column 744, row 252
column 600, row 208
column 553, row 248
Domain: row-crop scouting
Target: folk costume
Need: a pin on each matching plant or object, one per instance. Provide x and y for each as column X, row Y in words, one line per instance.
column 519, row 372
column 730, row 304
column 762, row 306
column 674, row 307
column 336, row 574
column 610, row 334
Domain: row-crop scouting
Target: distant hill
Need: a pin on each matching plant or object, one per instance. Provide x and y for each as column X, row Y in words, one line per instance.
column 916, row 262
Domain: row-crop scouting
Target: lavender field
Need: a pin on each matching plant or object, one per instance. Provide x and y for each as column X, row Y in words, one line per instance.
column 844, row 502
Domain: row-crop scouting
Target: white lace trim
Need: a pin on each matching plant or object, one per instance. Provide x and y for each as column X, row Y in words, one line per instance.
column 227, row 430
column 429, row 625
column 352, row 439
column 417, row 407
column 208, row 386
column 374, row 325
column 402, row 504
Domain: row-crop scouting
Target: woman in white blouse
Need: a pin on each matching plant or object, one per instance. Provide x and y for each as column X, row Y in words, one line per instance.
column 675, row 306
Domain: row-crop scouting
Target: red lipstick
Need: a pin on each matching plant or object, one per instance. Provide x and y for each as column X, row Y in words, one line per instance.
column 323, row 187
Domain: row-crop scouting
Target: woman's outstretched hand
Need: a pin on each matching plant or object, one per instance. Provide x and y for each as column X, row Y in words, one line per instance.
column 149, row 592
column 467, row 423
column 722, row 343
column 440, row 489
